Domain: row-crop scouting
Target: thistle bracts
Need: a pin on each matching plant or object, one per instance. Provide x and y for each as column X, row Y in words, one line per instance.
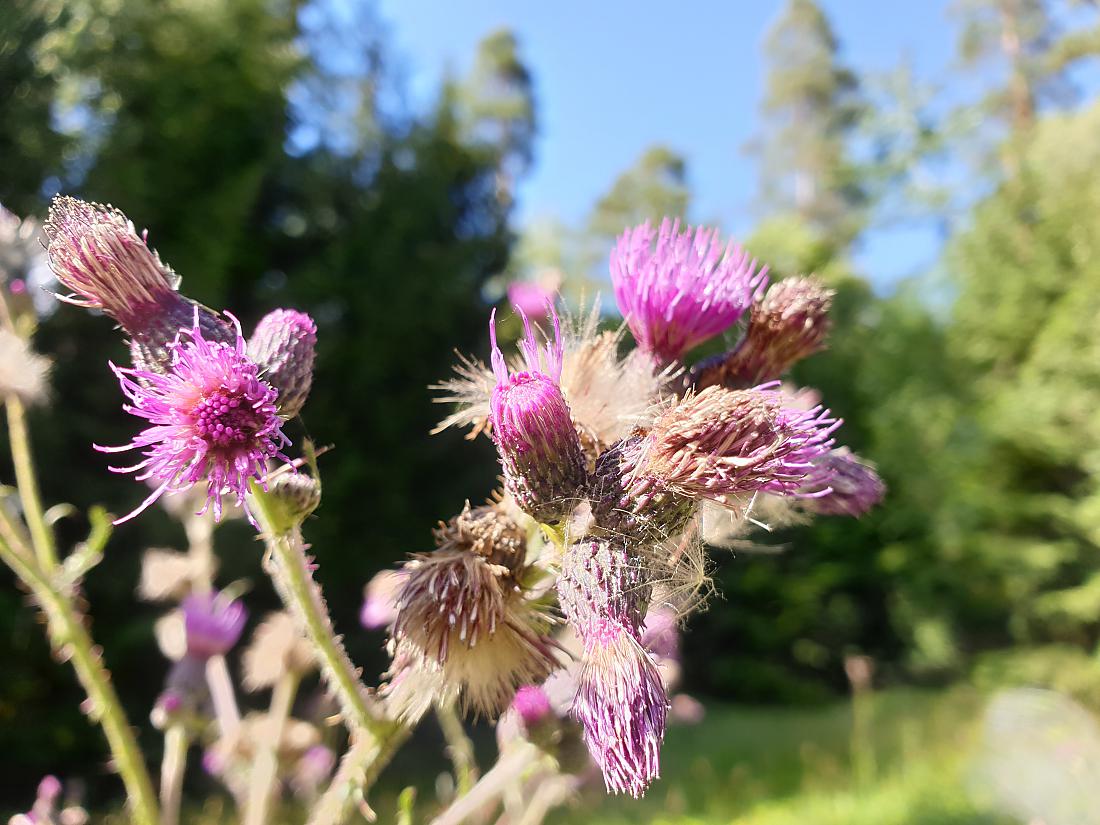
column 789, row 323
column 463, row 614
column 678, row 288
column 539, row 449
column 282, row 347
column 621, row 703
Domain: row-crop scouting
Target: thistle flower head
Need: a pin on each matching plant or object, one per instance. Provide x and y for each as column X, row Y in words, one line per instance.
column 540, row 451
column 851, row 486
column 213, row 623
column 282, row 346
column 724, row 445
column 96, row 252
column 789, row 323
column 462, row 611
column 622, row 707
column 679, row 287
column 467, row 618
column 532, row 705
column 211, row 418
column 380, row 599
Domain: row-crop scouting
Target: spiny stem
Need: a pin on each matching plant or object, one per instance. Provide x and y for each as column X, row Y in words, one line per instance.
column 69, row 639
column 171, row 774
column 459, row 748
column 261, row 785
column 41, row 535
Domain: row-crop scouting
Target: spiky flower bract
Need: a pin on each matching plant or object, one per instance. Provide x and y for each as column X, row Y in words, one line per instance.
column 213, row 623
column 212, row 419
column 789, row 323
column 282, row 345
column 462, row 612
column 532, row 427
column 853, row 486
column 677, row 288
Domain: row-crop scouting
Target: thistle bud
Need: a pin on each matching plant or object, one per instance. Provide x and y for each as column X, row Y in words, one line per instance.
column 213, row 624
column 296, row 494
column 788, row 324
column 532, row 705
column 540, row 451
column 282, row 346
column 678, row 288
column 97, row 254
column 600, row 581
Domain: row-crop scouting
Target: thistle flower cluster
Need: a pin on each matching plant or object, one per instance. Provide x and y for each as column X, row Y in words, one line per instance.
column 618, row 458
column 214, row 403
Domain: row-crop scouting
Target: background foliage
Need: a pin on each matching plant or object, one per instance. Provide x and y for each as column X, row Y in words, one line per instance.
column 259, row 142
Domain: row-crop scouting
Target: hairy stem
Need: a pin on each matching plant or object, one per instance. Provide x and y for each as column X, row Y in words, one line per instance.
column 368, row 755
column 459, row 748
column 511, row 766
column 172, row 767
column 261, row 786
column 292, row 573
column 27, row 482
column 70, row 640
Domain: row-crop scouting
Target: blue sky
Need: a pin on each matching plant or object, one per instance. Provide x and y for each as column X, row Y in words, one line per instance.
column 614, row 77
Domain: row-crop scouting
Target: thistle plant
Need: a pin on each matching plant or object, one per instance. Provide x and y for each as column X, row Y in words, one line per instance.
column 552, row 609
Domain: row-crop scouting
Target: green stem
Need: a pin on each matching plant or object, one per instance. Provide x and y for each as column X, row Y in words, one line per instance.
column 261, row 786
column 41, row 535
column 171, row 774
column 368, row 755
column 69, row 639
column 292, row 574
column 510, row 767
column 459, row 748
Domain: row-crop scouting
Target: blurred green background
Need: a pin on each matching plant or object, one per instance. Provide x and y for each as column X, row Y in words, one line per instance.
column 974, row 384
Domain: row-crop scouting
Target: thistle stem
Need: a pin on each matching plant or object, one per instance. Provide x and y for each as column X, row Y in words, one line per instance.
column 27, row 482
column 459, row 748
column 220, row 684
column 261, row 787
column 172, row 767
column 292, row 573
column 368, row 755
column 509, row 768
column 69, row 639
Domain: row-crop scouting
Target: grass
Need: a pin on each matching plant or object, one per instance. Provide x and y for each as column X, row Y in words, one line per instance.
column 767, row 766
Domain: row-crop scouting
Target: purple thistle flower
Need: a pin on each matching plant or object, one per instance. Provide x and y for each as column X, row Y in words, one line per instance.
column 212, row 418
column 213, row 624
column 677, row 288
column 622, row 707
column 788, row 324
column 540, row 451
column 529, row 298
column 722, row 444
column 96, row 252
column 282, row 346
column 621, row 701
column 852, row 487
column 532, row 705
